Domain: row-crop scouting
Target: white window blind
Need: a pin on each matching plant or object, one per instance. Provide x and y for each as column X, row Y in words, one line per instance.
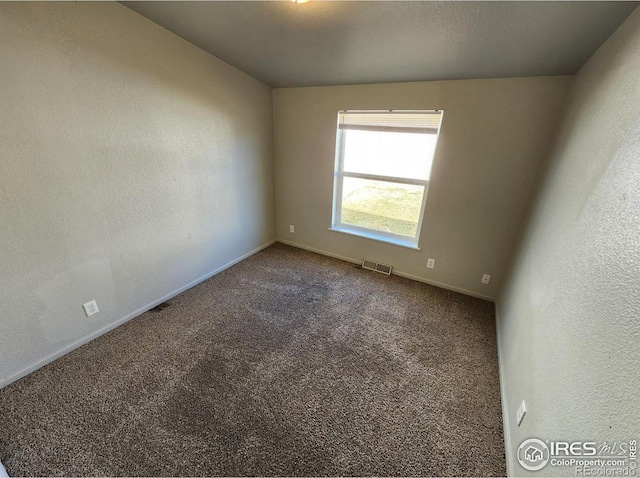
column 427, row 122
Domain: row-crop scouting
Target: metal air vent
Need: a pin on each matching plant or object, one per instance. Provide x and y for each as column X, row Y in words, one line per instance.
column 376, row 266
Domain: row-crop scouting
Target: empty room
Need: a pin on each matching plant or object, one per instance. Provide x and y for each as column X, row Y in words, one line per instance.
column 319, row 238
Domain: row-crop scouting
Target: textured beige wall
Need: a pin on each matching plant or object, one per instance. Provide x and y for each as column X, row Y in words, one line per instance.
column 132, row 164
column 495, row 135
column 569, row 318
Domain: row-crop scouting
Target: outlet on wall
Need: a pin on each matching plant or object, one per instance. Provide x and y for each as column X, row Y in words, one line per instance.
column 292, row 229
column 486, row 278
column 522, row 411
column 431, row 263
column 90, row 308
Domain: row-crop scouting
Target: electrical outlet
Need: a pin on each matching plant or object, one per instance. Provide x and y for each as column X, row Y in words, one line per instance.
column 485, row 278
column 90, row 308
column 292, row 229
column 431, row 263
column 522, row 411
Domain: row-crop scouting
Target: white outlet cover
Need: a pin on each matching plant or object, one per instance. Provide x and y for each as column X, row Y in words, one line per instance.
column 522, row 411
column 292, row 229
column 431, row 263
column 486, row 278
column 90, row 308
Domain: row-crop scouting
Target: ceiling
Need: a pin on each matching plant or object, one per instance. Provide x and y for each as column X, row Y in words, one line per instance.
column 329, row 43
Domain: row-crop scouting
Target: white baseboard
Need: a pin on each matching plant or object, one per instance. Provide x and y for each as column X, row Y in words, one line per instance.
column 395, row 272
column 319, row 251
column 506, row 430
column 80, row 342
column 442, row 285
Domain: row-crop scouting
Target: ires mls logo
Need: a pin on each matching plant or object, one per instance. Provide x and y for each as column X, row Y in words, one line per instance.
column 534, row 454
column 586, row 457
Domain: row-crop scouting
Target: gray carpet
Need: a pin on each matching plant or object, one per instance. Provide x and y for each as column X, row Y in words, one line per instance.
column 289, row 363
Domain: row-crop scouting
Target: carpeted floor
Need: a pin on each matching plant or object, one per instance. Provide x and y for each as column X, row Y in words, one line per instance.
column 289, row 363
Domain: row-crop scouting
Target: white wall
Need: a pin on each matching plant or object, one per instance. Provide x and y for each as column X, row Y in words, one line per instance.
column 569, row 318
column 132, row 164
column 495, row 135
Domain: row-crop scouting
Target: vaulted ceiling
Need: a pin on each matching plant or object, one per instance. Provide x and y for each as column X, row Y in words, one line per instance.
column 328, row 43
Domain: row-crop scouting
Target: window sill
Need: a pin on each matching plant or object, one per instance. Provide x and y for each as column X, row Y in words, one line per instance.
column 376, row 237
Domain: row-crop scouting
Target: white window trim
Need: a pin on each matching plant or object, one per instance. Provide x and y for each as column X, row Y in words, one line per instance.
column 382, row 236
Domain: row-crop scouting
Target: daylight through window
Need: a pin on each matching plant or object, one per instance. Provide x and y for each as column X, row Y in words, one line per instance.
column 383, row 166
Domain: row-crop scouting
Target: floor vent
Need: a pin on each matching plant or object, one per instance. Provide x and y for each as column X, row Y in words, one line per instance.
column 376, row 266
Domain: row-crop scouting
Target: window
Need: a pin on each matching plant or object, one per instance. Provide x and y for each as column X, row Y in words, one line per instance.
column 383, row 166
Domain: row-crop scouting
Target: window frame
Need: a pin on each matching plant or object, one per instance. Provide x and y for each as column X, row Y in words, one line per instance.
column 338, row 179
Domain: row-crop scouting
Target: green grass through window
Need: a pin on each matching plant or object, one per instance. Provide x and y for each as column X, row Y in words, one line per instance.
column 384, row 206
